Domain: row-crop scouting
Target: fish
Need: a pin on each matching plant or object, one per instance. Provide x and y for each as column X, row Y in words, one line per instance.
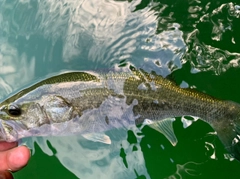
column 91, row 103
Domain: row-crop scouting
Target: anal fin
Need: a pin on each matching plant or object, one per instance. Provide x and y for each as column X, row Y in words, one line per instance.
column 165, row 127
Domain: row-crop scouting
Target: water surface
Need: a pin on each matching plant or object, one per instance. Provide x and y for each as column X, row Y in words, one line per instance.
column 195, row 42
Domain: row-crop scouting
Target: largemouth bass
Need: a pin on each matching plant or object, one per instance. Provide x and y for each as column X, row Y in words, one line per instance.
column 90, row 103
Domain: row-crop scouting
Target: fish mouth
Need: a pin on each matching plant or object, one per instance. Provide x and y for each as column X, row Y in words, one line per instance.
column 2, row 129
column 7, row 131
column 2, row 135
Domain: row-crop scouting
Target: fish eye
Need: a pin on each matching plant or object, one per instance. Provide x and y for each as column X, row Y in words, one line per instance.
column 14, row 110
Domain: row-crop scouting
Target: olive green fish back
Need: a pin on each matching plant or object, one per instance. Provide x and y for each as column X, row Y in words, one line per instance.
column 65, row 77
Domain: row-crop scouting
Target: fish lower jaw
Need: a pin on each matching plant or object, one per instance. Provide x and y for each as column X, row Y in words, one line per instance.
column 8, row 137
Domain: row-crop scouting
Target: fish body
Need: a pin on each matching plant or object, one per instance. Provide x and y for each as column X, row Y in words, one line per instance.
column 91, row 103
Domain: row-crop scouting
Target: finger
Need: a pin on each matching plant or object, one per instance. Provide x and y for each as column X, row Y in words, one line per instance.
column 7, row 145
column 5, row 175
column 14, row 159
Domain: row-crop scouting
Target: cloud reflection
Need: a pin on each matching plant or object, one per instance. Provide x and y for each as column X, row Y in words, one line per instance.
column 15, row 71
column 101, row 33
column 89, row 160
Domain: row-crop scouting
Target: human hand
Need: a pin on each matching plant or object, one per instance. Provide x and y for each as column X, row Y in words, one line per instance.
column 12, row 158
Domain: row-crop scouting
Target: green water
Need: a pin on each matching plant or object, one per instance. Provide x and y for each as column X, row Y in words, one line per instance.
column 195, row 42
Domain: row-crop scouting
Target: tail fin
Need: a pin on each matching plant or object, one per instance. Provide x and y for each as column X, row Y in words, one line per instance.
column 236, row 143
column 228, row 132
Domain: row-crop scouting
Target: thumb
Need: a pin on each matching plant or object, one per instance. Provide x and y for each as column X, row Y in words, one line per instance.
column 14, row 159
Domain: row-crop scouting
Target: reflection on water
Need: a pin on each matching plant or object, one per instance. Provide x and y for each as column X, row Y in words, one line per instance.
column 186, row 170
column 140, row 154
column 80, row 35
column 16, row 69
column 218, row 49
column 39, row 38
column 86, row 159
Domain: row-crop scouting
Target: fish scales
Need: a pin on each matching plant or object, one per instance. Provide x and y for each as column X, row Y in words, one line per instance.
column 170, row 97
column 100, row 102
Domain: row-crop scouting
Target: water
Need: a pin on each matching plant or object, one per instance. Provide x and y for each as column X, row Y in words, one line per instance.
column 195, row 42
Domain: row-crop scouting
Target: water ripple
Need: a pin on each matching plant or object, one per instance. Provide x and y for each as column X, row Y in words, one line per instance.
column 217, row 50
column 103, row 32
column 16, row 69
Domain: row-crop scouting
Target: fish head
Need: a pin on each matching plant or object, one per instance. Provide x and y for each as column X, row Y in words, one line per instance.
column 16, row 117
column 21, row 111
column 27, row 115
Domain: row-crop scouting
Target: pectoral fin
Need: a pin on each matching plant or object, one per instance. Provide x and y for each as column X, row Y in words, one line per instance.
column 165, row 127
column 97, row 137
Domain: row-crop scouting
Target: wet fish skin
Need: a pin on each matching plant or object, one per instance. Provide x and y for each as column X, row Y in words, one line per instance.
column 173, row 101
column 99, row 102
